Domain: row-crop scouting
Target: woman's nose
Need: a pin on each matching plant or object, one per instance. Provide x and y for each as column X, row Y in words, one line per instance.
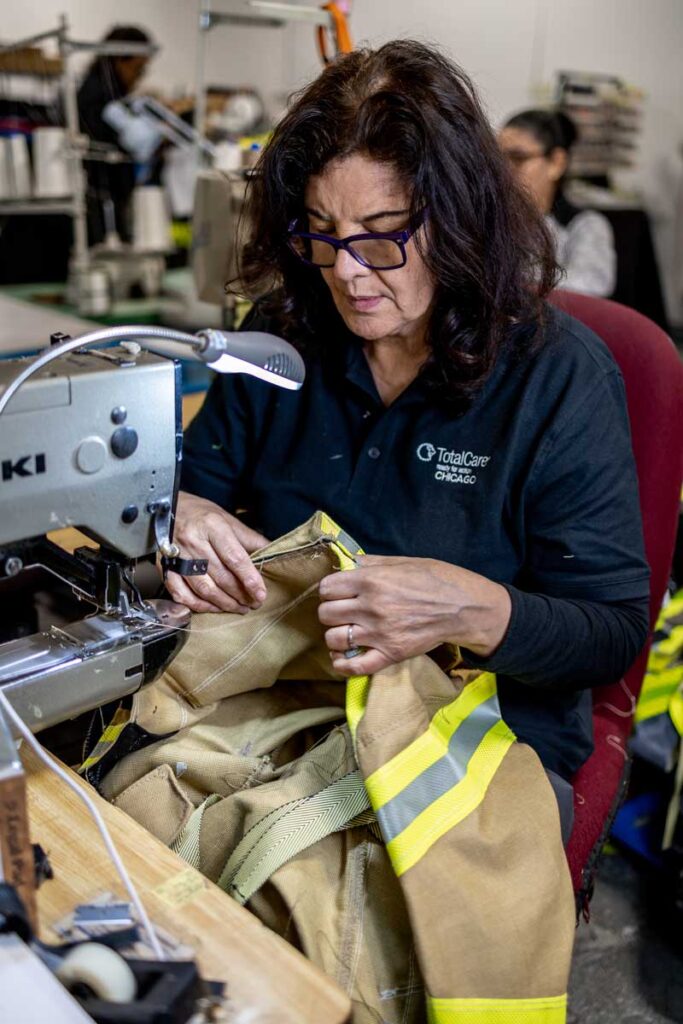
column 346, row 267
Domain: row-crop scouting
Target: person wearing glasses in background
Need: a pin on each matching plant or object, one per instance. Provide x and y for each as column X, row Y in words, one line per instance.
column 472, row 439
column 538, row 144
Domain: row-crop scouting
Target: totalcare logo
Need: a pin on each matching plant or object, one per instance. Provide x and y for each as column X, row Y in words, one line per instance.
column 451, row 466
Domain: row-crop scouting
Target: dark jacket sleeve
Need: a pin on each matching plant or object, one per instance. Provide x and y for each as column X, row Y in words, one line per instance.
column 580, row 606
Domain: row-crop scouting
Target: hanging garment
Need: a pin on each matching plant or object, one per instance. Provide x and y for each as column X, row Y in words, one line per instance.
column 659, row 712
column 391, row 828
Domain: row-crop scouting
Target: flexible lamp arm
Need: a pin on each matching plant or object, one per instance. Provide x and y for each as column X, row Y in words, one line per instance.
column 253, row 352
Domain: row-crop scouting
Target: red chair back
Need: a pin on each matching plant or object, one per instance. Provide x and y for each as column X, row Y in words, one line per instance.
column 653, row 375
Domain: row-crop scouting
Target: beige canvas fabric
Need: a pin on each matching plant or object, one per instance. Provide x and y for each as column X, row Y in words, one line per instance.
column 502, row 869
column 259, row 737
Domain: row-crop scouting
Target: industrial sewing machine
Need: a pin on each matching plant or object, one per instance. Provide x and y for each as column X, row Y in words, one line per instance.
column 93, row 439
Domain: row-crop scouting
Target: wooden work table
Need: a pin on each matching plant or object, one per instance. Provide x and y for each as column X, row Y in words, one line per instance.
column 261, row 971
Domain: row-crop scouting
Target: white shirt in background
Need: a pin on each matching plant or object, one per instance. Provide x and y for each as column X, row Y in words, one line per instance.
column 584, row 249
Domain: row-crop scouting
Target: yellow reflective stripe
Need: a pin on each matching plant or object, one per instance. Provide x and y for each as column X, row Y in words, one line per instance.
column 346, row 561
column 105, row 742
column 328, row 525
column 357, row 689
column 348, row 546
column 676, row 711
column 666, row 652
column 446, row 811
column 672, row 608
column 389, row 780
column 658, row 691
column 548, row 1010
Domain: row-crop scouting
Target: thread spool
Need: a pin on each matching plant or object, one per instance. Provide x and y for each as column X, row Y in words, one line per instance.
column 50, row 163
column 93, row 291
column 19, row 166
column 151, row 223
column 5, row 170
column 227, row 156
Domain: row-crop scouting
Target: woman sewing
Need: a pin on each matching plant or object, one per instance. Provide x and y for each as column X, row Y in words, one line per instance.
column 470, row 437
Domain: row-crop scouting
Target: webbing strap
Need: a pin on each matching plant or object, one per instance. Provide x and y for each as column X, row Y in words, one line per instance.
column 186, row 843
column 282, row 835
column 548, row 1010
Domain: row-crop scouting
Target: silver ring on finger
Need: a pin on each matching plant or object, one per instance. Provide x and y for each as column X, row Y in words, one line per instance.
column 352, row 650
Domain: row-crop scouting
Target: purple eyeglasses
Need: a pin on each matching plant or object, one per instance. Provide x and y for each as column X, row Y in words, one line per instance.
column 376, row 251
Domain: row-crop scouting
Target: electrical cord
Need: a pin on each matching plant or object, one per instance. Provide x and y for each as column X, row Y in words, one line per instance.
column 53, row 766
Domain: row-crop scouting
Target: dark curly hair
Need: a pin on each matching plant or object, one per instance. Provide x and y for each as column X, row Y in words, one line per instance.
column 486, row 244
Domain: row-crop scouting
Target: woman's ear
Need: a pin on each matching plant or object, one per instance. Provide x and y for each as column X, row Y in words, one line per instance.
column 558, row 161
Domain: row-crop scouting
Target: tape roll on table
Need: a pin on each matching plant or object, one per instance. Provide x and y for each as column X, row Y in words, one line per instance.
column 101, row 969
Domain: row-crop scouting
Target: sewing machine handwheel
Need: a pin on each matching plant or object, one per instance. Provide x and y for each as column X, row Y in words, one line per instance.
column 100, row 969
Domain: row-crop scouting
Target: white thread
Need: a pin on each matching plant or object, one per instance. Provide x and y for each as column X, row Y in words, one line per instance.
column 619, row 712
column 615, row 742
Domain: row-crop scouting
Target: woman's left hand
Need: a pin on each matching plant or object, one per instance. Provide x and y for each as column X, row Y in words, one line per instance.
column 400, row 607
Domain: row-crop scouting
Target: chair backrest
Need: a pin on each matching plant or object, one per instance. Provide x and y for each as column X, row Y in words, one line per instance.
column 653, row 375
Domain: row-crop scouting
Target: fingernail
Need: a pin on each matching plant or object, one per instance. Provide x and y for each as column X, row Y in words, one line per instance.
column 260, row 593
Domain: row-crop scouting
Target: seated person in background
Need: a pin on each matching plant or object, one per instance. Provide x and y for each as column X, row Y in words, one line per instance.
column 538, row 143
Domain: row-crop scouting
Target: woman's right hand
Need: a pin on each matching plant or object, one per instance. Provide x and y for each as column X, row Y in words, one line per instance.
column 232, row 582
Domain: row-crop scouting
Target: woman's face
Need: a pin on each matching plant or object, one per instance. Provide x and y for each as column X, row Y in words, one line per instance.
column 353, row 195
column 130, row 70
column 537, row 171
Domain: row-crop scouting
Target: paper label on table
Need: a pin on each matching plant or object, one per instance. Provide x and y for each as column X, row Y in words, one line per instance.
column 181, row 888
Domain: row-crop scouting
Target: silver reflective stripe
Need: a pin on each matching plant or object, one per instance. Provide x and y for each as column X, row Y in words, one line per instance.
column 349, row 543
column 445, row 773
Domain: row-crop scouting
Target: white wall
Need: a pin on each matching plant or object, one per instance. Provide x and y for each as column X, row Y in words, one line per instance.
column 509, row 47
column 235, row 54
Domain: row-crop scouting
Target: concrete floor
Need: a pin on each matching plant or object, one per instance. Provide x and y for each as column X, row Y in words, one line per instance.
column 626, row 970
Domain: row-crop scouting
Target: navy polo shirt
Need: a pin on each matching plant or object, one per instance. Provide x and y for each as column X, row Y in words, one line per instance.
column 534, row 486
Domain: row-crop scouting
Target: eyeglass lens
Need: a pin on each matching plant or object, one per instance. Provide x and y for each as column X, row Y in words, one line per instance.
column 378, row 253
column 517, row 157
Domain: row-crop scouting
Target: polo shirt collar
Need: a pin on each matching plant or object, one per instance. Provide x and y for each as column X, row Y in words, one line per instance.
column 356, row 370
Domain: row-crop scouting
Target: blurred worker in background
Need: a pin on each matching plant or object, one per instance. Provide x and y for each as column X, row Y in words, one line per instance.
column 105, row 118
column 538, row 144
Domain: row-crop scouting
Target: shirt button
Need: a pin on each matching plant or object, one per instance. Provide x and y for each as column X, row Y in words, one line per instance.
column 374, row 453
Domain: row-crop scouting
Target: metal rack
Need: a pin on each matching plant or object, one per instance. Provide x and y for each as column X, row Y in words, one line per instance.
column 78, row 148
column 608, row 116
column 254, row 13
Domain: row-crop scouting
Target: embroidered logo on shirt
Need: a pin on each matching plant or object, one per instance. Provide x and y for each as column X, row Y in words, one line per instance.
column 426, row 452
column 455, row 467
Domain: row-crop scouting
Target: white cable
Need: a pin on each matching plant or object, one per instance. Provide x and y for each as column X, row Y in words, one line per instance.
column 99, row 821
